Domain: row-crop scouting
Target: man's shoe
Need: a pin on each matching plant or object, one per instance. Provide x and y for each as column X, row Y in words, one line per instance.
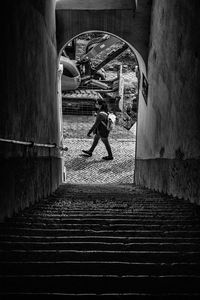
column 107, row 157
column 87, row 152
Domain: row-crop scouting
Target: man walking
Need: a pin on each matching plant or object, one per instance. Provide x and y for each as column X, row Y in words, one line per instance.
column 100, row 130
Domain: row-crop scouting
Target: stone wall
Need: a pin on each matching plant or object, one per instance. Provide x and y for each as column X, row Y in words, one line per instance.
column 123, row 21
column 29, row 108
column 168, row 137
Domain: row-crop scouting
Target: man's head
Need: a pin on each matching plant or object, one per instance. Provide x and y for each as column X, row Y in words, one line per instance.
column 102, row 105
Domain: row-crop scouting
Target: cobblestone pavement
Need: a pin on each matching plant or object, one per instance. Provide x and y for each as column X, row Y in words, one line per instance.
column 94, row 170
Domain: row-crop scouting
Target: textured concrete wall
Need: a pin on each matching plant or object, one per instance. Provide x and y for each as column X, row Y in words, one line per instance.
column 29, row 108
column 134, row 27
column 168, row 145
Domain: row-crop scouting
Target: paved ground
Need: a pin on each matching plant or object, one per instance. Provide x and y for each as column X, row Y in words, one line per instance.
column 94, row 170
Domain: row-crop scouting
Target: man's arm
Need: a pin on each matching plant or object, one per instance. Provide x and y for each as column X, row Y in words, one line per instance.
column 95, row 126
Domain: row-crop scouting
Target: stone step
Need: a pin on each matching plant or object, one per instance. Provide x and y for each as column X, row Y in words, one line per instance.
column 98, row 284
column 96, row 238
column 109, row 203
column 98, row 212
column 97, row 226
column 131, row 208
column 171, row 296
column 101, row 232
column 103, row 219
column 98, row 255
column 97, row 268
column 92, row 245
column 128, row 217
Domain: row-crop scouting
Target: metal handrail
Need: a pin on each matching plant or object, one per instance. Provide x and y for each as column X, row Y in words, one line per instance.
column 33, row 144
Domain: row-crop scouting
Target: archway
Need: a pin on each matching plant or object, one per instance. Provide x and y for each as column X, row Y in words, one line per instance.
column 77, row 164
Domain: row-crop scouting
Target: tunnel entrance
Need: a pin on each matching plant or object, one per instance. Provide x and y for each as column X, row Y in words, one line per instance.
column 97, row 65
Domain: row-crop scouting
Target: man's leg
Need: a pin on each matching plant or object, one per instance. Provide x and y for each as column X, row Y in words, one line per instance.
column 94, row 144
column 108, row 148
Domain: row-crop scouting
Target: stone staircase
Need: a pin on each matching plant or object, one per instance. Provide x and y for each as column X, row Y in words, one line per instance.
column 103, row 240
